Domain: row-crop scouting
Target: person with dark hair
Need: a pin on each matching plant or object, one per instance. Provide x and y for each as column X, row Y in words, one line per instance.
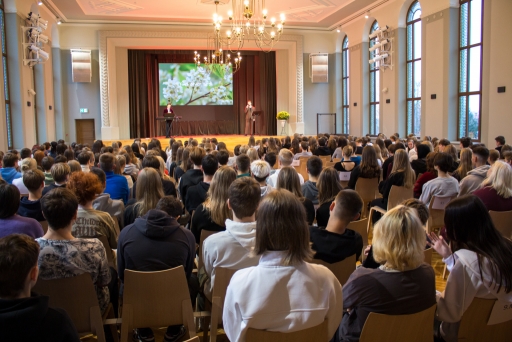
column 136, row 151
column 443, row 185
column 232, row 248
column 476, row 176
column 25, row 153
column 19, row 307
column 62, row 255
column 9, row 170
column 322, row 149
column 288, row 179
column 443, row 143
column 328, row 188
column 500, row 141
column 387, row 166
column 30, row 205
column 465, row 142
column 427, row 176
column 193, row 176
column 368, row 168
column 222, row 157
column 156, row 242
column 60, row 149
column 196, row 194
column 314, row 166
column 335, row 242
column 243, row 166
column 86, row 160
column 117, row 185
column 478, row 259
column 271, row 159
column 419, row 165
column 10, row 222
column 47, row 164
column 167, row 185
column 304, row 151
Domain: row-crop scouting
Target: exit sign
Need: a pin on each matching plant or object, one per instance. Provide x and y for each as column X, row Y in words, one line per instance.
column 84, row 110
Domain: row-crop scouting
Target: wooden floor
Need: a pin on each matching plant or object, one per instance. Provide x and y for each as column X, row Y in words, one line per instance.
column 230, row 140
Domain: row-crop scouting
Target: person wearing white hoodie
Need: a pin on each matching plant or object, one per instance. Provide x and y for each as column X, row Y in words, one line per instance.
column 232, row 248
column 480, row 269
column 475, row 177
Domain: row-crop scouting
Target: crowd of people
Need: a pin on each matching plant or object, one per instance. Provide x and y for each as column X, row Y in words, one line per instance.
column 149, row 205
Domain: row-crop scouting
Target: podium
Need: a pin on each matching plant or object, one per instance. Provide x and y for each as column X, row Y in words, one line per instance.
column 255, row 114
column 168, row 123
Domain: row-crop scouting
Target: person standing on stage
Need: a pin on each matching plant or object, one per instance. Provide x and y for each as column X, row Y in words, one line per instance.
column 168, row 112
column 249, row 118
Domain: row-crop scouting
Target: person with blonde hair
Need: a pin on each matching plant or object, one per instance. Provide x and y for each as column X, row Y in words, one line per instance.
column 288, row 179
column 260, row 170
column 402, row 285
column 465, row 164
column 74, row 166
column 283, row 293
column 346, row 164
column 285, row 159
column 60, row 173
column 149, row 191
column 26, row 165
column 213, row 213
column 496, row 190
column 252, row 153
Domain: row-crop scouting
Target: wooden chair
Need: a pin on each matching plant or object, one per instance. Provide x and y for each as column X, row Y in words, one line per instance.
column 366, row 188
column 77, row 296
column 329, row 164
column 44, row 225
column 110, row 254
column 342, row 270
column 204, row 235
column 222, row 278
column 436, row 212
column 361, row 227
column 474, row 324
column 303, row 167
column 156, row 299
column 317, row 333
column 336, row 160
column 397, row 195
column 195, row 339
column 503, row 222
column 391, row 328
column 428, row 256
column 325, row 159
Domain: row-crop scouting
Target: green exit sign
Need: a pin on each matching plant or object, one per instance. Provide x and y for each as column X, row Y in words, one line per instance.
column 84, row 110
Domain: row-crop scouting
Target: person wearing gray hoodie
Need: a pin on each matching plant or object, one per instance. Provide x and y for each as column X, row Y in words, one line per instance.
column 103, row 202
column 232, row 248
column 475, row 177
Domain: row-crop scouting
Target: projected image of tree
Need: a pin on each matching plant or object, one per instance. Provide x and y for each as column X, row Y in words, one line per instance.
column 186, row 84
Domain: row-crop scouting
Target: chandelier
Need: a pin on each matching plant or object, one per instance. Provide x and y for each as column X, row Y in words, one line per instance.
column 218, row 59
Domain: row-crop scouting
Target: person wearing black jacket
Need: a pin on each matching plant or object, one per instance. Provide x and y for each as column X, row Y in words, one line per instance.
column 194, row 175
column 197, row 194
column 322, row 150
column 156, row 242
column 26, row 316
column 420, row 165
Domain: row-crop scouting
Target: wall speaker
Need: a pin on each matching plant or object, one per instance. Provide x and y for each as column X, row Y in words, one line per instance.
column 319, row 67
column 81, row 65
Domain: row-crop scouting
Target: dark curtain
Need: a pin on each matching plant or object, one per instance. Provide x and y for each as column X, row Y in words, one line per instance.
column 256, row 81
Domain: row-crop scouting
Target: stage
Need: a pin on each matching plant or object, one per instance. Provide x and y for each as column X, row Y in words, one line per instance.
column 230, row 140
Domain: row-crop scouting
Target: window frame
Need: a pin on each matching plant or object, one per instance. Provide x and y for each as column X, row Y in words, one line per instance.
column 374, row 69
column 412, row 61
column 7, row 99
column 467, row 94
column 345, row 76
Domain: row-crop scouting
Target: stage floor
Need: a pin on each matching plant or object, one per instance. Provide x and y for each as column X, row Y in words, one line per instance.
column 230, row 140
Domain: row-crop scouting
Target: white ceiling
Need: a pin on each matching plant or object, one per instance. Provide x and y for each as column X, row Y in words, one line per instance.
column 302, row 13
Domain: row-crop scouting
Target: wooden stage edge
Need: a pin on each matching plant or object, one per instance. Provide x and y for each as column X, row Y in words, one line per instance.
column 231, row 140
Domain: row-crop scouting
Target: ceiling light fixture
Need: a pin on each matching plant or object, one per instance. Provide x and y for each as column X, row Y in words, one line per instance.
column 59, row 21
column 367, row 15
column 338, row 30
column 40, row 3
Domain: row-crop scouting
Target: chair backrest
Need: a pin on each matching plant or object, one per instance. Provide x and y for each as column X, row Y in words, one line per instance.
column 156, row 298
column 76, row 295
column 222, row 278
column 203, row 236
column 428, row 256
column 436, row 211
column 342, row 270
column 366, row 188
column 317, row 333
column 361, row 227
column 397, row 195
column 108, row 250
column 391, row 328
column 195, row 339
column 335, row 160
column 325, row 159
column 503, row 222
column 44, row 225
column 303, row 167
column 473, row 325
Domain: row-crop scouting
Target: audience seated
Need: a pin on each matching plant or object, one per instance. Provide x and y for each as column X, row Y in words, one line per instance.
column 427, row 176
column 243, row 166
column 103, row 202
column 288, row 179
column 24, row 315
column 156, row 242
column 232, row 248
column 443, row 185
column 402, row 285
column 86, row 160
column 368, row 168
column 62, row 255
column 493, row 157
column 338, row 153
column 90, row 222
column 465, row 164
column 26, row 165
column 260, row 170
column 149, row 186
column 196, row 194
column 335, row 242
column 283, row 292
column 419, row 165
column 9, row 170
column 500, row 141
column 346, row 164
column 47, row 164
column 303, row 151
column 10, row 222
column 60, row 174
column 222, row 157
column 117, row 185
column 120, row 166
column 193, row 176
column 30, row 206
column 314, row 166
column 328, row 188
column 285, row 159
column 496, row 190
column 475, row 177
column 154, row 162
column 213, row 212
column 478, row 261
column 271, row 159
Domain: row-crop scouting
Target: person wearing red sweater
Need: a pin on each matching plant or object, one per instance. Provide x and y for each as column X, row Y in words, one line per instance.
column 427, row 176
column 496, row 190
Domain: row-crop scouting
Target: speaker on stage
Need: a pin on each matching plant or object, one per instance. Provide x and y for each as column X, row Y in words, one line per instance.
column 81, row 65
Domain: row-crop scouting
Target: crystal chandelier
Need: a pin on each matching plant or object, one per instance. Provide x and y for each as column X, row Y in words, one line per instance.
column 217, row 59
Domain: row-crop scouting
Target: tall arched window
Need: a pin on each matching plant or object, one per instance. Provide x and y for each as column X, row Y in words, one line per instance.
column 413, row 59
column 374, row 84
column 6, row 78
column 345, row 87
column 470, row 68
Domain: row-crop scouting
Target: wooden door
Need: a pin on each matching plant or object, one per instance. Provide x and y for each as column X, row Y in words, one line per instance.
column 85, row 131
